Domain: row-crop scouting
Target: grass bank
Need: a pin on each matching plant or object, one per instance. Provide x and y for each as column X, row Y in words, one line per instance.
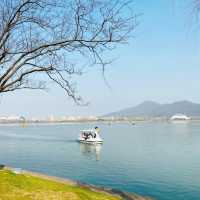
column 35, row 186
column 27, row 187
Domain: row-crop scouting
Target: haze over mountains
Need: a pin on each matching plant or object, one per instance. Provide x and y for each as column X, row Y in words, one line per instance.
column 154, row 109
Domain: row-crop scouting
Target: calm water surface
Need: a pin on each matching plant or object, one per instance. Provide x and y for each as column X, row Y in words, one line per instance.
column 161, row 160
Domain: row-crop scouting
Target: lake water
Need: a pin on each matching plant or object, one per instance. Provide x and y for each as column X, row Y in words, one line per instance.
column 161, row 160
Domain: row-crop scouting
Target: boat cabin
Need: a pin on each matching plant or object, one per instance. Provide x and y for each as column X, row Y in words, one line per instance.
column 88, row 134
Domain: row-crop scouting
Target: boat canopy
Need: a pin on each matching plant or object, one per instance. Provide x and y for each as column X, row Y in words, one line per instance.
column 88, row 131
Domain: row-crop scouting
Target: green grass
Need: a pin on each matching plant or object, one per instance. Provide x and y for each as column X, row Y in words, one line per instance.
column 27, row 187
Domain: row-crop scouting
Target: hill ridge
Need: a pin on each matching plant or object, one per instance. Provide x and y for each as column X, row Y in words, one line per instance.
column 154, row 109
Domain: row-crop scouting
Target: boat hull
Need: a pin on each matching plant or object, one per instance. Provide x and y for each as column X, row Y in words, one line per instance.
column 91, row 141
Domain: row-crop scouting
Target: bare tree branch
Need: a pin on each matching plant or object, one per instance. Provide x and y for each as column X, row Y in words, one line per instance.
column 52, row 37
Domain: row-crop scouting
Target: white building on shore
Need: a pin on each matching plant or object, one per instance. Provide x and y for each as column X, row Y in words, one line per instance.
column 10, row 118
column 180, row 117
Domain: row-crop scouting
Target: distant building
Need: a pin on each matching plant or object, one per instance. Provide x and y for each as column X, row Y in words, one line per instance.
column 180, row 117
column 11, row 118
column 51, row 118
column 3, row 118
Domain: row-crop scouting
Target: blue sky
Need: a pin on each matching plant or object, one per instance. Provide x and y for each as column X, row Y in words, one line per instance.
column 161, row 63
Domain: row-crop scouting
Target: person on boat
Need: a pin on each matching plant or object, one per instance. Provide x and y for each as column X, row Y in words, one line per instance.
column 90, row 135
column 96, row 128
column 85, row 136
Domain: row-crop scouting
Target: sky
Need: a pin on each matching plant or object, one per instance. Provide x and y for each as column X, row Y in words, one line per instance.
column 160, row 63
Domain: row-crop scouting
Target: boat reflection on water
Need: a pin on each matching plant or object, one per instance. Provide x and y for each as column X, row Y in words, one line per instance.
column 91, row 150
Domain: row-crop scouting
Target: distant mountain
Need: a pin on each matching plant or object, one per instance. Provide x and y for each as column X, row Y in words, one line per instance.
column 154, row 109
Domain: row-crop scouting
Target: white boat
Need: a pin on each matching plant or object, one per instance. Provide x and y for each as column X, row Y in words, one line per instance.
column 90, row 136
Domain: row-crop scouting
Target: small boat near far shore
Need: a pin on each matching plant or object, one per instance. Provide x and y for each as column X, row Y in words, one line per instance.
column 90, row 136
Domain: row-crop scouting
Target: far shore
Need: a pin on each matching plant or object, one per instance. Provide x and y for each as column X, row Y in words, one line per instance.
column 108, row 121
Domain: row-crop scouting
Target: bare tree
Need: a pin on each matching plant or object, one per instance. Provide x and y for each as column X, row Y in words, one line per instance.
column 42, row 39
column 196, row 4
